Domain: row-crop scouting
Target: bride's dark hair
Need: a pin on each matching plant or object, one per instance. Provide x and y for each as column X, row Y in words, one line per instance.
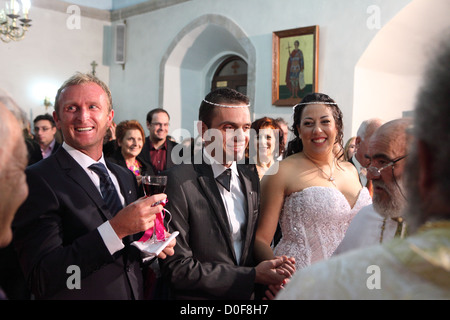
column 296, row 145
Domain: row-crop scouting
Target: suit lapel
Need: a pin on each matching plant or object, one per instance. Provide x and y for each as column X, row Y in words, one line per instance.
column 250, row 195
column 75, row 172
column 125, row 188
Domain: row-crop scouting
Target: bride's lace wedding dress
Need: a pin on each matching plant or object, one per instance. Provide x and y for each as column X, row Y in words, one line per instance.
column 314, row 221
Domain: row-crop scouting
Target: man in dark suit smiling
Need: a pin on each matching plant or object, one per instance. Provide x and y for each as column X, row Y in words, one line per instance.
column 216, row 215
column 82, row 211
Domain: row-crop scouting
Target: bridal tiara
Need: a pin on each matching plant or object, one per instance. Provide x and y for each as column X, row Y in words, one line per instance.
column 225, row 106
column 313, row 102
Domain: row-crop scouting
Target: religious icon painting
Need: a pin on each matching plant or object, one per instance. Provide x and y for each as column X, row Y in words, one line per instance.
column 294, row 64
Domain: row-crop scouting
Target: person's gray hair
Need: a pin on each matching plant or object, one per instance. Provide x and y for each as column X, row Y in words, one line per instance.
column 368, row 127
column 12, row 106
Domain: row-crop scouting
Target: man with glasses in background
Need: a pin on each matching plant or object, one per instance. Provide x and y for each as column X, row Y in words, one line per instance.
column 44, row 134
column 382, row 220
column 157, row 149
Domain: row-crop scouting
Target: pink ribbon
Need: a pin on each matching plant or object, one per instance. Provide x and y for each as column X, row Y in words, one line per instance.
column 159, row 225
column 160, row 229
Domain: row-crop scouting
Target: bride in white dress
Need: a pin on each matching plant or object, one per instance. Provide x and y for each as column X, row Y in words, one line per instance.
column 314, row 194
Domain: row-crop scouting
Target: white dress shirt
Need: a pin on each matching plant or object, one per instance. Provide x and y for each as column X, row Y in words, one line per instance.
column 234, row 202
column 109, row 236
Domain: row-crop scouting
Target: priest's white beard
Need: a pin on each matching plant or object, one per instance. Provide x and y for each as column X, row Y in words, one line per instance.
column 393, row 206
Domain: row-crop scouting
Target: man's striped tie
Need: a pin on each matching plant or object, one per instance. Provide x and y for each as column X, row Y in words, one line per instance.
column 107, row 188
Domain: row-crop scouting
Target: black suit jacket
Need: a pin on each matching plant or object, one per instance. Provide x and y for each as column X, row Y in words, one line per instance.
column 56, row 147
column 56, row 227
column 204, row 265
column 170, row 162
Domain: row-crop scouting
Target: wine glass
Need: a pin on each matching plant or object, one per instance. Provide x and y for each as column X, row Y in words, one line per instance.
column 154, row 185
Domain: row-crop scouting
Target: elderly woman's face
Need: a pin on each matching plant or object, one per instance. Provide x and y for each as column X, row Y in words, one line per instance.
column 132, row 143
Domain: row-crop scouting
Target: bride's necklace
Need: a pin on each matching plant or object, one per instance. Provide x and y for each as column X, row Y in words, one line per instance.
column 328, row 176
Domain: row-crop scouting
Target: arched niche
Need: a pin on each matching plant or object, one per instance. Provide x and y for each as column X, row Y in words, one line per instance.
column 187, row 67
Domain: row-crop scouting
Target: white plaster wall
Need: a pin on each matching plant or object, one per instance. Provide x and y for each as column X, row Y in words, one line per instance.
column 344, row 36
column 389, row 73
column 49, row 54
column 383, row 95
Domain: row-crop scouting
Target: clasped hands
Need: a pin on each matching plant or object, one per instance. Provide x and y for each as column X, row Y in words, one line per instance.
column 275, row 271
column 275, row 274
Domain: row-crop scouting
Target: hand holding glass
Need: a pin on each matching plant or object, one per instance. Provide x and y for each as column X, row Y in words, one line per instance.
column 154, row 185
column 152, row 246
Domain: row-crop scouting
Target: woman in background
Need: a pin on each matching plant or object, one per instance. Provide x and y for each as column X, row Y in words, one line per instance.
column 267, row 144
column 130, row 138
column 349, row 149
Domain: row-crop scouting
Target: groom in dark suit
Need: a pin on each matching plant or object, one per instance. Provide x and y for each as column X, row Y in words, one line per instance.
column 74, row 231
column 214, row 205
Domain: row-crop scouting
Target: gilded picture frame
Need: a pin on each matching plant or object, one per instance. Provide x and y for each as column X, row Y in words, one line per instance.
column 294, row 64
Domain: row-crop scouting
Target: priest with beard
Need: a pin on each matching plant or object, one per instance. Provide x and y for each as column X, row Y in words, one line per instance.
column 382, row 220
